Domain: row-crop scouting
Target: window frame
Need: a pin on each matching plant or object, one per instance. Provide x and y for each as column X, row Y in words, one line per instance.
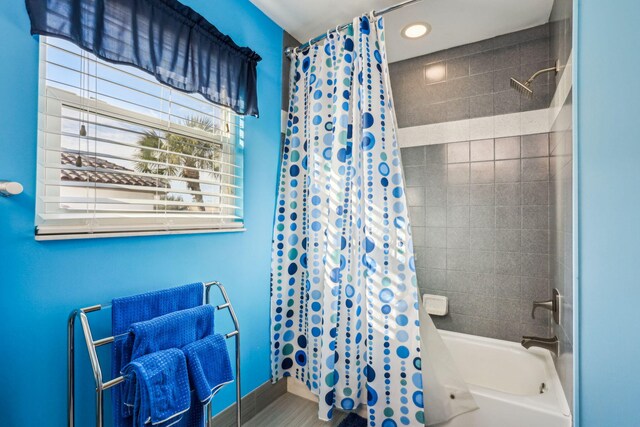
column 52, row 101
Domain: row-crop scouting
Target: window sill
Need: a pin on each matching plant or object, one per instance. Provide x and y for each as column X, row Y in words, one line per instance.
column 71, row 236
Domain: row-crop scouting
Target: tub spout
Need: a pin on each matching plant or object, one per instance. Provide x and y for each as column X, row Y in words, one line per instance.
column 551, row 344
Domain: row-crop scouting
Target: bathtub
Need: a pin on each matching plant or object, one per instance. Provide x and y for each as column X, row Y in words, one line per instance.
column 512, row 386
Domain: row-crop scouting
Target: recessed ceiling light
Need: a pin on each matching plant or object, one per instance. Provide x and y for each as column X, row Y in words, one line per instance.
column 416, row 30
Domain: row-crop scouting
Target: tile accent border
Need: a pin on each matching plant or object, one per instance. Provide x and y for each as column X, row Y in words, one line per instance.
column 252, row 403
column 505, row 125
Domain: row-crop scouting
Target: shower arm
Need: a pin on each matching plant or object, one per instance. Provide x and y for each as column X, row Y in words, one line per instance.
column 555, row 68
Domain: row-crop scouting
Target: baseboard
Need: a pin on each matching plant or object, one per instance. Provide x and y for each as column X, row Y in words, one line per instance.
column 252, row 403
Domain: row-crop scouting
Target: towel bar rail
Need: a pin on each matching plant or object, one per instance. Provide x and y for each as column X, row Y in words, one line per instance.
column 101, row 385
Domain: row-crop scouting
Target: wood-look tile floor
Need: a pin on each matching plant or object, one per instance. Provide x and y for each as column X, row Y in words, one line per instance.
column 292, row 411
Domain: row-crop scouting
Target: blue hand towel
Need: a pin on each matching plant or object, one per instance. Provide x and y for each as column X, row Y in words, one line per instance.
column 208, row 365
column 138, row 308
column 173, row 330
column 160, row 391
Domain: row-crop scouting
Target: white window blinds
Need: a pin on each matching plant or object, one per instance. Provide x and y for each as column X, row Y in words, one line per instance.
column 120, row 152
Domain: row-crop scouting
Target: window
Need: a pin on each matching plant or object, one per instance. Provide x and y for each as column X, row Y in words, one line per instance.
column 120, row 152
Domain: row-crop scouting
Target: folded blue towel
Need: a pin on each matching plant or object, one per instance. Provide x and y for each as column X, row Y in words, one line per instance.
column 173, row 330
column 160, row 388
column 208, row 365
column 138, row 308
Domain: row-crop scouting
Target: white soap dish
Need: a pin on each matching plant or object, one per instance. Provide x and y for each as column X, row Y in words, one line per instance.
column 435, row 305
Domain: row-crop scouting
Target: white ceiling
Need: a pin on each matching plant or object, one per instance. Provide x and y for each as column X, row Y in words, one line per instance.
column 454, row 22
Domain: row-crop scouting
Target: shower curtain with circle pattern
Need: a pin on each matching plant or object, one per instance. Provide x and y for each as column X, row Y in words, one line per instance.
column 343, row 283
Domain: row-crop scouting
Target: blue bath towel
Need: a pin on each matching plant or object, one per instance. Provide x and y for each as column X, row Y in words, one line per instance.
column 173, row 330
column 128, row 310
column 208, row 365
column 138, row 308
column 196, row 416
column 160, row 391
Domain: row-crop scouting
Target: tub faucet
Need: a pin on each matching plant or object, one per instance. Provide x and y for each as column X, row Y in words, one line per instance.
column 551, row 344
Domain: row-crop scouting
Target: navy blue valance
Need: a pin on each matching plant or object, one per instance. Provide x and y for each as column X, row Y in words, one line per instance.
column 164, row 37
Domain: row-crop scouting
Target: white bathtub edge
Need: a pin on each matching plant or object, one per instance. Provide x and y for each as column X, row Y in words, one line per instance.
column 560, row 397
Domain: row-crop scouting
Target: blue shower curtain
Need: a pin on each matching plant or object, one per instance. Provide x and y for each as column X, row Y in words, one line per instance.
column 344, row 296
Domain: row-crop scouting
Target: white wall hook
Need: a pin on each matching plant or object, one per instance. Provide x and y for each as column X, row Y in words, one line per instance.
column 9, row 188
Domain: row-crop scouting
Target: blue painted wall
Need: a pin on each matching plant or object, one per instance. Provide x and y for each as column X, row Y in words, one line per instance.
column 41, row 282
column 609, row 212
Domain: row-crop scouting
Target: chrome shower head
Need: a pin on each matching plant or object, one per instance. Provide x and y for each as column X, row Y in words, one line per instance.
column 523, row 88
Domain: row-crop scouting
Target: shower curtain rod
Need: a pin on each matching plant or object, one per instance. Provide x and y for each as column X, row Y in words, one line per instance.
column 290, row 50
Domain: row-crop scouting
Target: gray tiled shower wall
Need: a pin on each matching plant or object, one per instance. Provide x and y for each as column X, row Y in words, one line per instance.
column 473, row 80
column 479, row 214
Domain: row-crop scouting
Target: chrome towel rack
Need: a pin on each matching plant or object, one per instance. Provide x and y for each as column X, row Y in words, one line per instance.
column 101, row 385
